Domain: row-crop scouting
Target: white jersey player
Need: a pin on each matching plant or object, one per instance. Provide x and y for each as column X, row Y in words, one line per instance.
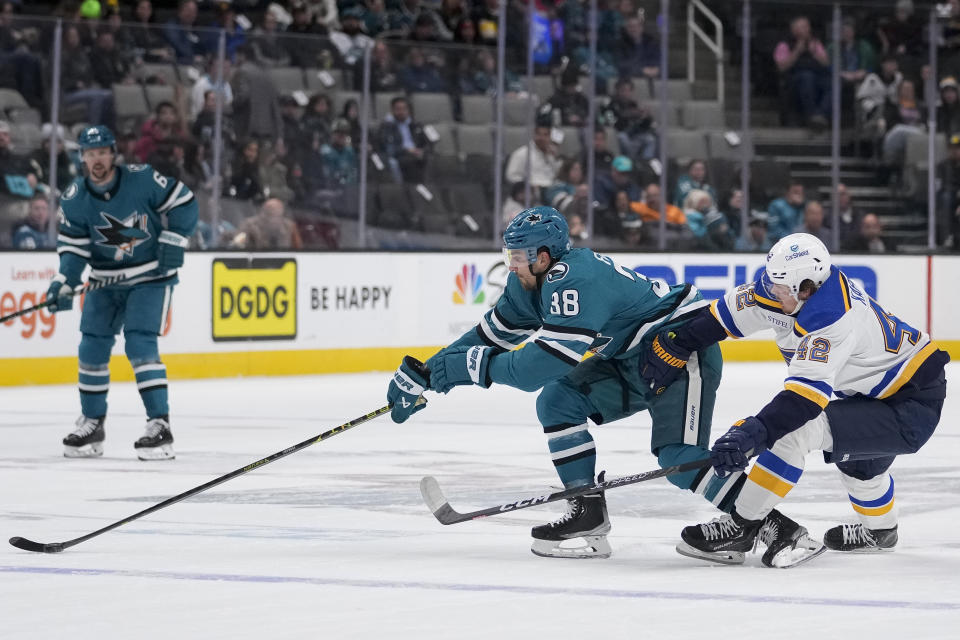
column 862, row 386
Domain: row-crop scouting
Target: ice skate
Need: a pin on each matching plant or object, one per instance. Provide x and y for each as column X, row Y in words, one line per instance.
column 857, row 538
column 585, row 520
column 86, row 441
column 157, row 442
column 725, row 539
column 788, row 543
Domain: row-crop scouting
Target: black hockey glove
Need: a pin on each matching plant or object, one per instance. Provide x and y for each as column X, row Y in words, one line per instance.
column 664, row 362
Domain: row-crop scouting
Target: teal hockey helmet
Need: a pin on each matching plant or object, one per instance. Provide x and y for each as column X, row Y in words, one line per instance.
column 534, row 228
column 96, row 137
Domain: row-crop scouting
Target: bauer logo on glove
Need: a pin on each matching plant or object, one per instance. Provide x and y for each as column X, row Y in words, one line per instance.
column 664, row 362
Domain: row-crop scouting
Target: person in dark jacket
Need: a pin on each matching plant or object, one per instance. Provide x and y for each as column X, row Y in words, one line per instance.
column 403, row 143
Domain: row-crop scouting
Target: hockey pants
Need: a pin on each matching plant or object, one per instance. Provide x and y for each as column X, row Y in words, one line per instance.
column 862, row 436
column 608, row 390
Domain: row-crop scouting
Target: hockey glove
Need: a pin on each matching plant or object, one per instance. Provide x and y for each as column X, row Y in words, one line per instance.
column 731, row 452
column 170, row 251
column 665, row 360
column 408, row 384
column 61, row 292
column 455, row 366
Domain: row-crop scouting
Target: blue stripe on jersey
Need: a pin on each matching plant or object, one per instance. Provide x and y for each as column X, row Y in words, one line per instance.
column 833, row 304
column 727, row 318
column 819, row 385
column 887, row 378
column 775, row 464
column 879, row 502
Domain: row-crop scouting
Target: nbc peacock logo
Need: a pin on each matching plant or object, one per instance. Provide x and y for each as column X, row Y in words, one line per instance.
column 469, row 286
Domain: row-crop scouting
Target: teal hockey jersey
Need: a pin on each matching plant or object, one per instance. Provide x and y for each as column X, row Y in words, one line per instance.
column 116, row 232
column 587, row 302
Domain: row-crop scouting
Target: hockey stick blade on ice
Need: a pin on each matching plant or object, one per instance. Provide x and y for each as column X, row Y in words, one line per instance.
column 90, row 286
column 440, row 506
column 56, row 547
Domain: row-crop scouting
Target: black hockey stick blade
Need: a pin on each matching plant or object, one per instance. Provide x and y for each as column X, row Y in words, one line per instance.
column 57, row 547
column 442, row 511
column 38, row 547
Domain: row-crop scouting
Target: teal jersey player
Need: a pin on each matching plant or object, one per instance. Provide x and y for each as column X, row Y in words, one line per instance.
column 118, row 231
column 130, row 224
column 566, row 302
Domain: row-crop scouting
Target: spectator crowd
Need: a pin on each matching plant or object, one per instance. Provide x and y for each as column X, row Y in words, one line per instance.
column 286, row 97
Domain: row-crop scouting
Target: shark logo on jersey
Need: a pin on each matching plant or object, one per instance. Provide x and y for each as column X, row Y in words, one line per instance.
column 125, row 235
column 558, row 272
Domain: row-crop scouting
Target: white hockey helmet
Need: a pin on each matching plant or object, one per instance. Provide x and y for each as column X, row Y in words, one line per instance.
column 795, row 258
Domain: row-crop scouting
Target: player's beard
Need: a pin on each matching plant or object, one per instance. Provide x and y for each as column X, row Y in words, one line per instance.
column 100, row 172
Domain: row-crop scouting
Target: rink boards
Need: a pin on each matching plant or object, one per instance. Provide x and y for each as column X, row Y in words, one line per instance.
column 306, row 313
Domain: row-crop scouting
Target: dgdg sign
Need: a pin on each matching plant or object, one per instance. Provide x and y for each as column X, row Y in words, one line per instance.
column 254, row 299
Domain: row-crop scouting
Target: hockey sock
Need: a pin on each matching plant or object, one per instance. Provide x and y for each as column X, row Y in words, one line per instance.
column 152, row 384
column 150, row 372
column 94, row 383
column 872, row 500
column 573, row 451
column 94, row 374
column 722, row 492
column 770, row 479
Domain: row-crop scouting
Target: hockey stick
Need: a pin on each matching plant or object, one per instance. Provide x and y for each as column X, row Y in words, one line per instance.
column 440, row 506
column 90, row 286
column 56, row 547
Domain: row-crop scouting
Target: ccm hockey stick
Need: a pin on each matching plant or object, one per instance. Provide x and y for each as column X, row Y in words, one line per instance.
column 99, row 283
column 440, row 506
column 56, row 547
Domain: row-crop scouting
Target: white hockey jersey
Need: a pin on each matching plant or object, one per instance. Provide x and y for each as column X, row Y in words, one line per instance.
column 841, row 343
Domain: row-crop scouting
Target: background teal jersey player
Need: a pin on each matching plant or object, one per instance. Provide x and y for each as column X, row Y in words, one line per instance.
column 570, row 301
column 130, row 223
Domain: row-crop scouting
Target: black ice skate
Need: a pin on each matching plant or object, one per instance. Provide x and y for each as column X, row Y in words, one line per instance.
column 857, row 538
column 86, row 441
column 157, row 442
column 586, row 518
column 725, row 539
column 788, row 543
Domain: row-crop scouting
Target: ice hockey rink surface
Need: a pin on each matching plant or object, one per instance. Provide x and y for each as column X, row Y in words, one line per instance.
column 335, row 542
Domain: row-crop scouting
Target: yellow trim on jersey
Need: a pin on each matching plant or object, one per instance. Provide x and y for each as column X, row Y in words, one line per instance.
column 716, row 316
column 767, row 301
column 910, row 369
column 873, row 511
column 799, row 329
column 811, row 394
column 770, row 482
column 845, row 289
